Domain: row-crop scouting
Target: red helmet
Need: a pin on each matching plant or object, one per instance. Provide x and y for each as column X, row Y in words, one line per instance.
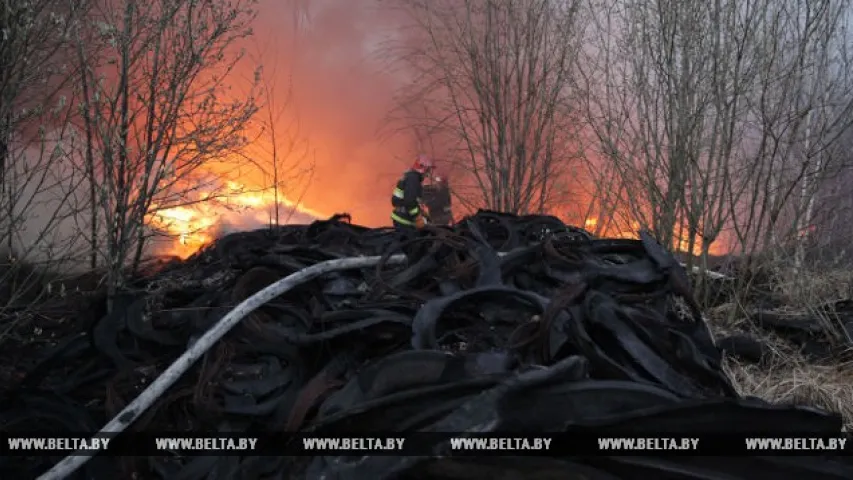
column 423, row 164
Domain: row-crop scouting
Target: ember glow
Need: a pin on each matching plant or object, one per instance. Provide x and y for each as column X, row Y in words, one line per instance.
column 337, row 99
column 193, row 227
column 328, row 90
column 683, row 244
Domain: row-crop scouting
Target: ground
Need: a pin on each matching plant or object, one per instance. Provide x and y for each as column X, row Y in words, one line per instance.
column 787, row 375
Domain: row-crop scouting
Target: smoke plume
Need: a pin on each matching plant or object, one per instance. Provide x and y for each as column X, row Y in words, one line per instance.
column 341, row 94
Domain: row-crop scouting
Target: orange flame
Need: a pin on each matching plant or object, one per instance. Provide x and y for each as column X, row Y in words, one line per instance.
column 193, row 227
column 679, row 244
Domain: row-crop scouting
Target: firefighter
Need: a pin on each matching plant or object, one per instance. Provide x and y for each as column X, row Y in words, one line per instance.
column 407, row 214
column 437, row 200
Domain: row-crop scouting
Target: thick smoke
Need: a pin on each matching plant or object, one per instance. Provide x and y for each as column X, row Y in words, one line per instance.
column 342, row 93
column 259, row 218
column 326, row 55
column 44, row 218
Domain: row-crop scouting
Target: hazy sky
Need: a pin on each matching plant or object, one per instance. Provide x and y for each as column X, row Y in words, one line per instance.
column 341, row 96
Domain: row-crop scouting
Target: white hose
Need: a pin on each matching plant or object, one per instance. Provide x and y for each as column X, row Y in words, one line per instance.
column 143, row 402
column 710, row 274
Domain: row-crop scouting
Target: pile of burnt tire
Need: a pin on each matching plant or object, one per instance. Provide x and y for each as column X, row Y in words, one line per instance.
column 498, row 324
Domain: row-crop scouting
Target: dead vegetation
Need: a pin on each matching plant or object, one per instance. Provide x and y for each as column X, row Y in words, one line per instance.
column 711, row 123
column 790, row 372
column 505, row 320
column 701, row 123
column 791, row 379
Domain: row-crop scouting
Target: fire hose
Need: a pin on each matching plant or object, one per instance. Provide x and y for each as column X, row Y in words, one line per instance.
column 158, row 387
column 134, row 410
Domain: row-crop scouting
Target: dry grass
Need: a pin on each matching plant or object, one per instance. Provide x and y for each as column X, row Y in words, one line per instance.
column 787, row 377
column 794, row 381
column 815, row 287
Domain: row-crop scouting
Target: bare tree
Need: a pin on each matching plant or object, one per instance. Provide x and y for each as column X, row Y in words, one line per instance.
column 660, row 104
column 708, row 116
column 36, row 182
column 607, row 108
column 829, row 91
column 800, row 110
column 831, row 228
column 281, row 152
column 493, row 78
column 156, row 108
column 688, row 99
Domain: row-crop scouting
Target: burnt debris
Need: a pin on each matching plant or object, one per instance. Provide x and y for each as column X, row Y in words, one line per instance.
column 500, row 323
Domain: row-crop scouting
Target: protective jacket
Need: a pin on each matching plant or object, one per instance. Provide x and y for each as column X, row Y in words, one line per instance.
column 437, row 200
column 406, row 199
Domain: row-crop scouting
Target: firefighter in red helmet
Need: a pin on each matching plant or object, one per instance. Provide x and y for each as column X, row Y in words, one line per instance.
column 437, row 200
column 407, row 213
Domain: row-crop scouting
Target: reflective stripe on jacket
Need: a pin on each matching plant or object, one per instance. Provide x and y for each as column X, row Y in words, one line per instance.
column 406, row 198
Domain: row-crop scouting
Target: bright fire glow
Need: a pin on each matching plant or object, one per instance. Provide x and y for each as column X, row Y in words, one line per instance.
column 717, row 248
column 195, row 226
column 340, row 101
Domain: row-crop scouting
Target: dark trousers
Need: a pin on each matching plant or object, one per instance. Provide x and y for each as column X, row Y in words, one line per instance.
column 405, row 233
column 406, row 230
